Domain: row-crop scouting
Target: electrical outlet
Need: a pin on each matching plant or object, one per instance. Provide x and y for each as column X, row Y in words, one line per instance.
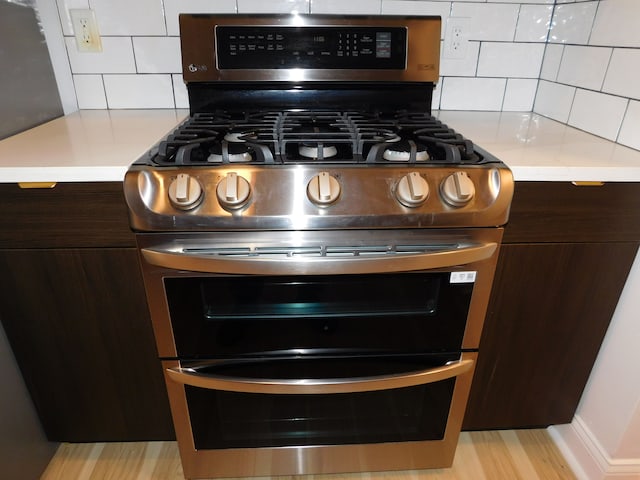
column 85, row 28
column 456, row 39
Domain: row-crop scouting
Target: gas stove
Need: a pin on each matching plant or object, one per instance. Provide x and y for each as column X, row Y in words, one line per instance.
column 316, row 247
column 313, row 122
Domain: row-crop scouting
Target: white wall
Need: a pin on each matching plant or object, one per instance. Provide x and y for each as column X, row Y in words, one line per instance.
column 591, row 67
column 140, row 65
column 603, row 441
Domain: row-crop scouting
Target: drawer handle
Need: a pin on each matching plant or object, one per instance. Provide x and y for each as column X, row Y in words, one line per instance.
column 190, row 376
column 588, row 183
column 37, row 184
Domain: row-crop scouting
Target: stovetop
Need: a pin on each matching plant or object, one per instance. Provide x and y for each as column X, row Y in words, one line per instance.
column 314, row 136
column 308, row 122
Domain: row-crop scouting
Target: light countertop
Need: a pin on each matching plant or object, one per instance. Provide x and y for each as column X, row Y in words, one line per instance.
column 99, row 145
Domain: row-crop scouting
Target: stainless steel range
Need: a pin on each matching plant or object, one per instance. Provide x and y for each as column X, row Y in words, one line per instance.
column 318, row 250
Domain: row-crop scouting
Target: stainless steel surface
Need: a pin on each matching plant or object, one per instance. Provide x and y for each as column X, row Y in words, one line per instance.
column 197, row 34
column 279, row 199
column 316, row 259
column 339, row 203
column 276, row 246
column 320, row 459
column 189, row 375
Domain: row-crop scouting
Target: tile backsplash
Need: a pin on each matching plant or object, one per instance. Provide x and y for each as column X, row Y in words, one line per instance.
column 590, row 71
column 564, row 59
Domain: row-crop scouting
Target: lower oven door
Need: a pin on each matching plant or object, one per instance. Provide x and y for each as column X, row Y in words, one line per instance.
column 399, row 420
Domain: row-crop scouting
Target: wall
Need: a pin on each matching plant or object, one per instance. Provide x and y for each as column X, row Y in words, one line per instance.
column 589, row 77
column 140, row 64
column 603, row 440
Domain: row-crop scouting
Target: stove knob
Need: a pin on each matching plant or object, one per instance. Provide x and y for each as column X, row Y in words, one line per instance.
column 233, row 191
column 323, row 189
column 457, row 189
column 412, row 190
column 185, row 192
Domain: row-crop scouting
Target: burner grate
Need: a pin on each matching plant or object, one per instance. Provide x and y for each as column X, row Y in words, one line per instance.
column 314, row 136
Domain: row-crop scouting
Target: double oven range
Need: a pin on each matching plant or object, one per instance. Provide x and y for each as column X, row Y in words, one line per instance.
column 317, row 249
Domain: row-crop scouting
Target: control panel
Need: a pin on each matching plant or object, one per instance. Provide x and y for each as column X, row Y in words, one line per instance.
column 244, row 47
column 309, row 48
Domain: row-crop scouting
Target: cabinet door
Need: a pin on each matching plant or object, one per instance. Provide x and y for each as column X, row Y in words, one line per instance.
column 79, row 327
column 550, row 308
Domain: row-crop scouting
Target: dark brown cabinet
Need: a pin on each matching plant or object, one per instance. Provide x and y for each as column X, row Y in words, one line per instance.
column 566, row 255
column 73, row 306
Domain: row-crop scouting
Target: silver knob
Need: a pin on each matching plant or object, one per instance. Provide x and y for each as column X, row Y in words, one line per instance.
column 457, row 189
column 185, row 192
column 412, row 190
column 323, row 189
column 233, row 191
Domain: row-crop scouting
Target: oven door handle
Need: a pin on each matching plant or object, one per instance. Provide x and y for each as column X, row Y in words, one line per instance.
column 264, row 265
column 191, row 376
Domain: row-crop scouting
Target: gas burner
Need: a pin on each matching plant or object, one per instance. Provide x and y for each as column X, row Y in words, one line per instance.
column 384, row 136
column 403, row 150
column 240, row 136
column 232, row 152
column 317, row 151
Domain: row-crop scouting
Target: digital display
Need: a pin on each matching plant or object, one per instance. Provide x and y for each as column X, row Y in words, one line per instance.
column 267, row 47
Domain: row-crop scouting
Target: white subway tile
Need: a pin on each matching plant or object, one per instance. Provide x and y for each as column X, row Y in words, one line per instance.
column 631, row 126
column 584, row 66
column 90, row 92
column 623, row 73
column 472, row 93
column 533, row 23
column 572, row 23
column 172, row 8
column 116, row 57
column 549, row 2
column 157, row 54
column 126, row 17
column 598, row 113
column 489, row 21
column 520, row 60
column 139, row 91
column 616, row 24
column 63, row 10
column 519, row 95
column 554, row 100
column 461, row 67
column 349, row 7
column 411, row 7
column 551, row 63
column 281, row 6
column 180, row 92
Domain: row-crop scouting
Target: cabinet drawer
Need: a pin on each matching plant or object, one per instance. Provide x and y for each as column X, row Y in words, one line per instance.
column 66, row 216
column 549, row 212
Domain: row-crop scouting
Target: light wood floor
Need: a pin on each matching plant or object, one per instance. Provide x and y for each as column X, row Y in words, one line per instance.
column 503, row 455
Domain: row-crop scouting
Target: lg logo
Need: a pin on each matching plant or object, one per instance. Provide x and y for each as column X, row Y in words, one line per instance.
column 197, row 68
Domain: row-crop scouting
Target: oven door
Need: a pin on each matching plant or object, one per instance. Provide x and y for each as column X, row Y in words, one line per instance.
column 303, row 368
column 396, row 421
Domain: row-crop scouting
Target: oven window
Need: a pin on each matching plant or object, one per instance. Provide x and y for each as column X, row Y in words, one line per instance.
column 222, row 419
column 245, row 315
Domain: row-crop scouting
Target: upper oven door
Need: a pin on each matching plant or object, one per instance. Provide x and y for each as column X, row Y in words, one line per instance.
column 368, row 292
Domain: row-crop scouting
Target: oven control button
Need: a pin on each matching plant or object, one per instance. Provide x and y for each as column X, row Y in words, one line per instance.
column 412, row 190
column 233, row 191
column 185, row 192
column 323, row 189
column 457, row 189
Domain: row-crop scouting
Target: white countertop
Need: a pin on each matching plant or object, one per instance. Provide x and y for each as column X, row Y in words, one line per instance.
column 99, row 145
